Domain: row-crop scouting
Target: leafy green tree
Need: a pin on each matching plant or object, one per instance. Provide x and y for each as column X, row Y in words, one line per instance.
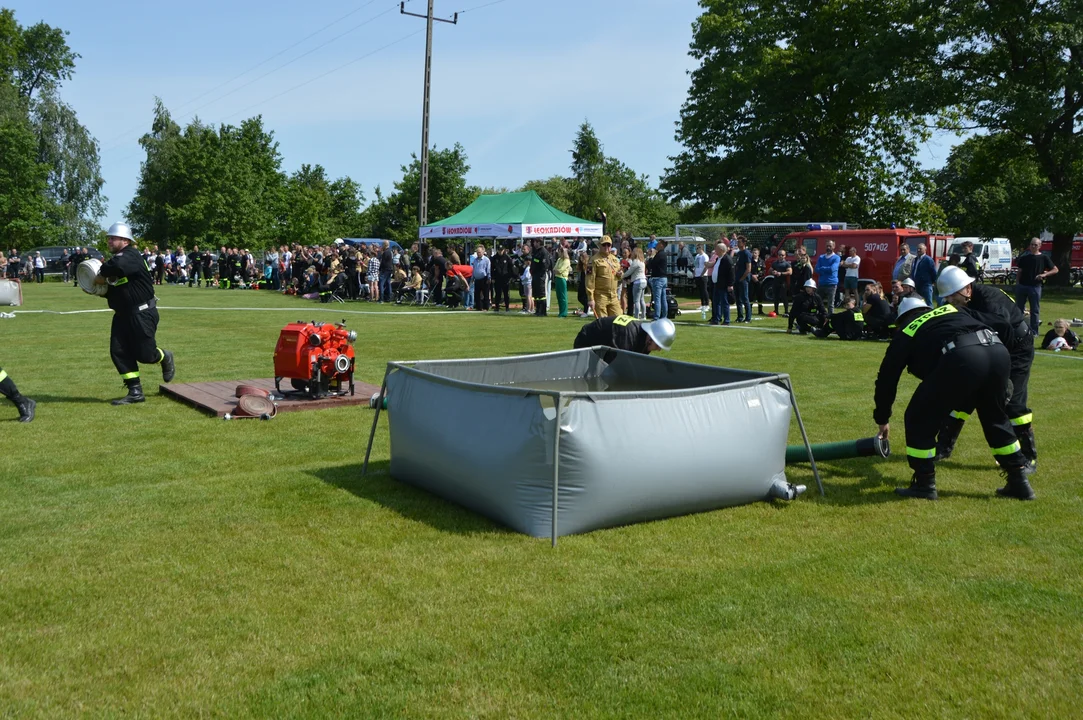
column 560, row 192
column 44, row 59
column 307, row 207
column 803, row 109
column 588, row 165
column 1016, row 68
column 207, row 186
column 75, row 181
column 23, row 180
column 34, row 62
column 991, row 186
column 395, row 217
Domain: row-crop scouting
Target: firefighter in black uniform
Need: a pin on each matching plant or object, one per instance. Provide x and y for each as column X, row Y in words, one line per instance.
column 626, row 333
column 807, row 310
column 24, row 404
column 540, row 265
column 996, row 309
column 961, row 363
column 135, row 314
column 848, row 323
column 503, row 271
column 195, row 259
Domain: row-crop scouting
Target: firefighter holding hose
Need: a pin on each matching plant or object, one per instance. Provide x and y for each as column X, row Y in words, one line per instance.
column 995, row 308
column 961, row 363
column 135, row 314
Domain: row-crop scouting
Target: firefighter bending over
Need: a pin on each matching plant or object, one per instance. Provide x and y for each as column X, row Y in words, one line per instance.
column 626, row 333
column 961, row 363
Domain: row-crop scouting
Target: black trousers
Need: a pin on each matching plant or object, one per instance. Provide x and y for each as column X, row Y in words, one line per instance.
column 501, row 289
column 701, row 285
column 972, row 376
column 537, row 291
column 131, row 341
column 1019, row 414
column 581, row 293
column 808, row 321
column 481, row 293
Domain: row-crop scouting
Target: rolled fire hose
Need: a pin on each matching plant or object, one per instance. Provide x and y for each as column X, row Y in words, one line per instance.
column 866, row 447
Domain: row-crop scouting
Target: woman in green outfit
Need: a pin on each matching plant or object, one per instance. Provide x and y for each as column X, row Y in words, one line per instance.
column 560, row 272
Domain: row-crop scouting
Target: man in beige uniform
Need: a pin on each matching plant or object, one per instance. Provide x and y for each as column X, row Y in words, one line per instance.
column 602, row 281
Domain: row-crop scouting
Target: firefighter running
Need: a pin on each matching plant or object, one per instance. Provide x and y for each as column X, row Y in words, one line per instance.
column 602, row 280
column 626, row 333
column 135, row 314
column 993, row 307
column 24, row 404
column 961, row 363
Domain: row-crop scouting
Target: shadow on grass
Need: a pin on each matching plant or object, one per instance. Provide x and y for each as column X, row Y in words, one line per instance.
column 407, row 501
column 872, row 485
column 54, row 399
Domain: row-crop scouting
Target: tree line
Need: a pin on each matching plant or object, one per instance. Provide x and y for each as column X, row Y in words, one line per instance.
column 798, row 110
column 803, row 109
column 50, row 175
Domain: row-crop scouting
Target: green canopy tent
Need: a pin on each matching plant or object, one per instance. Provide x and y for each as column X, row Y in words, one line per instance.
column 510, row 215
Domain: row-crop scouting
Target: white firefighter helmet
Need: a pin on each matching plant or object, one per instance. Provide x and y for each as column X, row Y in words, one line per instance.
column 662, row 332
column 952, row 279
column 907, row 282
column 909, row 304
column 120, row 230
column 810, row 283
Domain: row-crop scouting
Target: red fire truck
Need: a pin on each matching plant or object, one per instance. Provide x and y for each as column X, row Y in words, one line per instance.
column 878, row 250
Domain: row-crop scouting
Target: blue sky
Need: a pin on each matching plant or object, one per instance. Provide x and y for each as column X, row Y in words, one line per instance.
column 511, row 82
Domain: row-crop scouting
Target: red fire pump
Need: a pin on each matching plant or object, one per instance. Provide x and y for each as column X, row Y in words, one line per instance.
column 317, row 358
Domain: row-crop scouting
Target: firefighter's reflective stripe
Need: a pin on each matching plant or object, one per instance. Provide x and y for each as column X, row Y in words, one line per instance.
column 622, row 320
column 1008, row 449
column 858, row 317
column 1023, row 419
column 913, row 327
column 959, row 415
column 129, row 376
column 3, row 375
column 161, row 354
column 120, row 281
column 923, row 454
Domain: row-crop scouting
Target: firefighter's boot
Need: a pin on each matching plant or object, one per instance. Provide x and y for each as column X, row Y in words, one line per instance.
column 135, row 394
column 1025, row 436
column 169, row 369
column 26, row 408
column 949, row 433
column 922, row 486
column 1018, row 487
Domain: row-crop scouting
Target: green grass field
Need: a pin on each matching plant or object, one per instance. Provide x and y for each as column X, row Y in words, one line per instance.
column 157, row 562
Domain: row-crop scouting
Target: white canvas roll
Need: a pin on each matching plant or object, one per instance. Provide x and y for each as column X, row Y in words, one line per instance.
column 85, row 275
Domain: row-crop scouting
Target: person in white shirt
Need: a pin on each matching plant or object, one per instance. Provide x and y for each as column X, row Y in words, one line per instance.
column 699, row 272
column 852, row 263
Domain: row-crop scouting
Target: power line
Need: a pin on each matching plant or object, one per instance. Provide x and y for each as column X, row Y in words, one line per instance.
column 113, row 144
column 479, row 7
column 277, row 54
column 325, row 74
column 299, row 85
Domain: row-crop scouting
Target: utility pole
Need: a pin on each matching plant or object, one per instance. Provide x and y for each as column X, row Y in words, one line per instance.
column 423, row 204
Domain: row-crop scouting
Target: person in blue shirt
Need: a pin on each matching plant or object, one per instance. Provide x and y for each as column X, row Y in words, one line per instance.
column 904, row 265
column 923, row 273
column 827, row 269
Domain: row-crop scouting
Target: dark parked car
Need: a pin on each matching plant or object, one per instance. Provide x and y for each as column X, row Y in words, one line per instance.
column 53, row 254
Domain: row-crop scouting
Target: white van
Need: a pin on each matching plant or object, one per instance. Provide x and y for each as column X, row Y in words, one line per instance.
column 994, row 255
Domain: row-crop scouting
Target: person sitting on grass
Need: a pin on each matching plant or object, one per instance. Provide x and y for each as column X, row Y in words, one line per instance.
column 807, row 310
column 877, row 311
column 1060, row 337
column 848, row 323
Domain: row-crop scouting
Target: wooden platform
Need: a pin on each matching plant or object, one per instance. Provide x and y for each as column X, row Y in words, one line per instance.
column 218, row 398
